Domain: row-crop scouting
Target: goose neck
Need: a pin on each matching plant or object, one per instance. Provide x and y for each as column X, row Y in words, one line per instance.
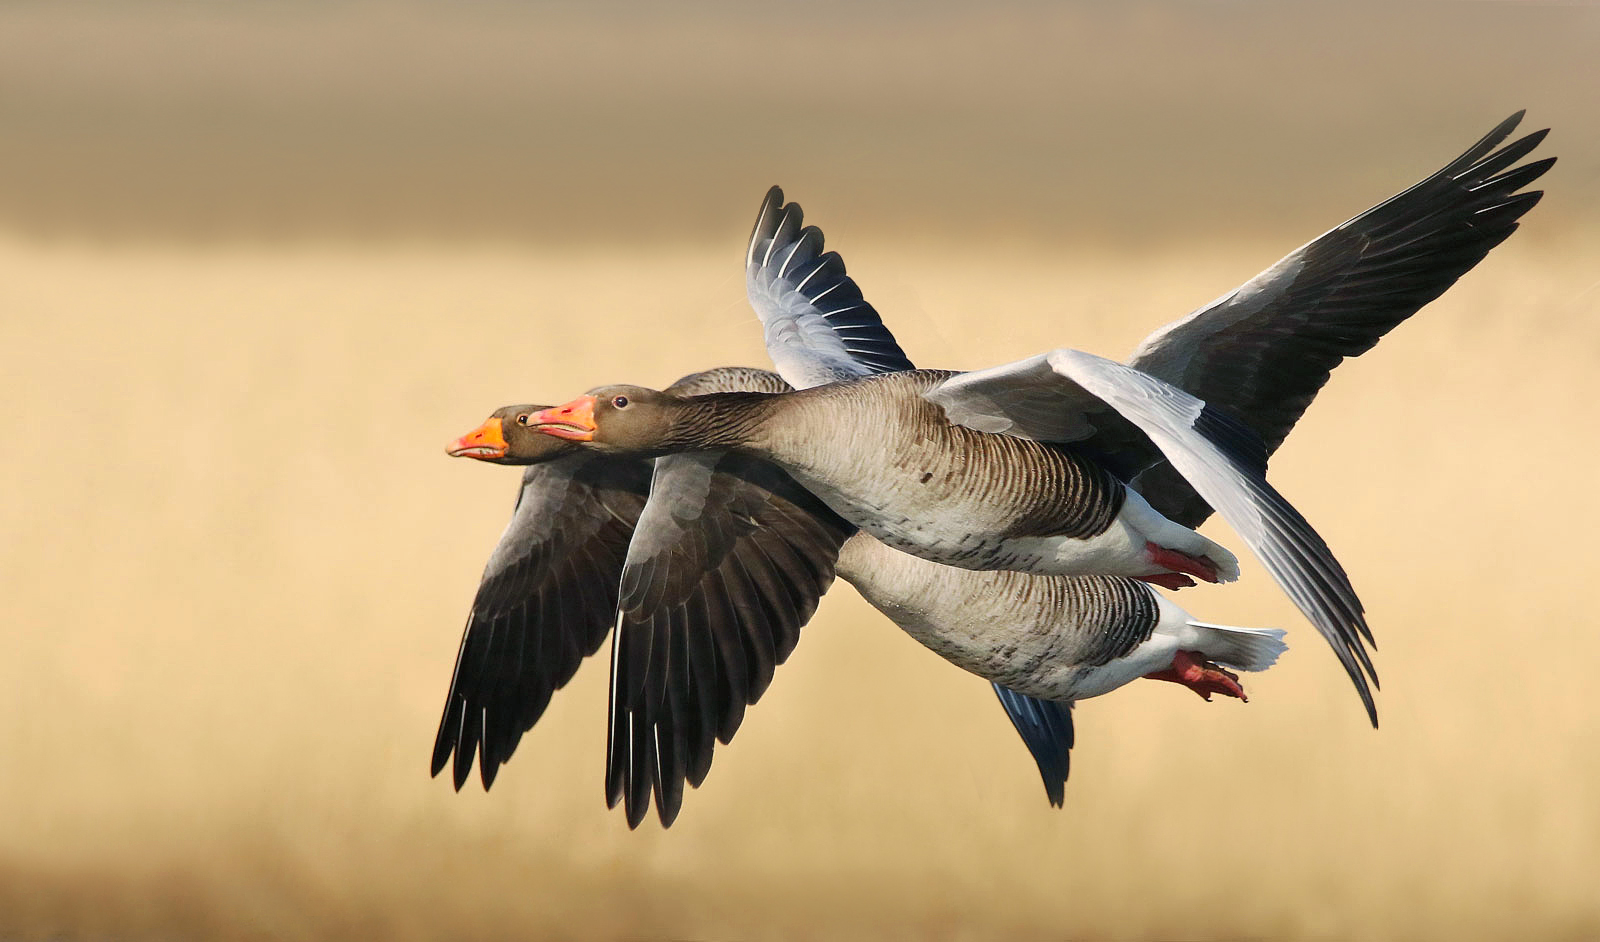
column 720, row 420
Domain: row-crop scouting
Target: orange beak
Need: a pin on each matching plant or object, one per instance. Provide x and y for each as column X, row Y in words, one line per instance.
column 573, row 421
column 486, row 441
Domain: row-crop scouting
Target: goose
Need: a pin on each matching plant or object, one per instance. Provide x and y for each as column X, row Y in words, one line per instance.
column 552, row 588
column 911, row 477
column 1067, row 462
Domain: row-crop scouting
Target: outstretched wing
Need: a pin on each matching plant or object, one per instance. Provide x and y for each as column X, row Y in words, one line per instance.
column 818, row 327
column 728, row 562
column 545, row 603
column 1046, row 727
column 1262, row 351
column 1221, row 459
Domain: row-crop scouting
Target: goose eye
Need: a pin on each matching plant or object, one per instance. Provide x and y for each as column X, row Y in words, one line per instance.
column 523, row 418
column 621, row 402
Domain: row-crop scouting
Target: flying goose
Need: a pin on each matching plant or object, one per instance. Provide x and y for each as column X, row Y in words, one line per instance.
column 1029, row 466
column 732, row 559
column 554, row 586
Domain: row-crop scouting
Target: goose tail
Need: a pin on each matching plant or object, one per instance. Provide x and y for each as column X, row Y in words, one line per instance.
column 1245, row 649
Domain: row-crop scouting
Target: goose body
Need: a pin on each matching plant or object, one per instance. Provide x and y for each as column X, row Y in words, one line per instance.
column 885, row 457
column 1056, row 638
column 965, row 498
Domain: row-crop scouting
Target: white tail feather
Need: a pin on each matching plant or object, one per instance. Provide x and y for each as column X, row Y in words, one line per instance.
column 1245, row 649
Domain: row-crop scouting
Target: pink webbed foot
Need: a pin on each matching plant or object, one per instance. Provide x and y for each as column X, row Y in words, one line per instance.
column 1201, row 676
column 1198, row 566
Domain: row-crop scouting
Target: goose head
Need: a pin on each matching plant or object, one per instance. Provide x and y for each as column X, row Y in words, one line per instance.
column 630, row 419
column 508, row 437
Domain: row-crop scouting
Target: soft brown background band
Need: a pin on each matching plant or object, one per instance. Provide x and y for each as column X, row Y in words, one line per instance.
column 631, row 120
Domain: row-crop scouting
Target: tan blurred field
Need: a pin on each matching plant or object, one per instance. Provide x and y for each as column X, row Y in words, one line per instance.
column 237, row 561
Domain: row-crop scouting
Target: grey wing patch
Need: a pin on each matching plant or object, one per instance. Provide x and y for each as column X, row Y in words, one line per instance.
column 727, row 565
column 545, row 603
column 1046, row 729
column 1226, row 463
column 683, row 530
column 817, row 325
column 729, row 379
column 1025, row 399
column 1032, row 399
column 1262, row 352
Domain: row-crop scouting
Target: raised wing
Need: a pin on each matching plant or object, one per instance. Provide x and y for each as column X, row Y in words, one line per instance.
column 1261, row 352
column 728, row 563
column 546, row 601
column 818, row 327
column 1221, row 459
column 1046, row 727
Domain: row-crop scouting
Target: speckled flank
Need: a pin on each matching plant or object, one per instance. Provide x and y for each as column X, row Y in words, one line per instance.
column 1045, row 636
column 928, row 485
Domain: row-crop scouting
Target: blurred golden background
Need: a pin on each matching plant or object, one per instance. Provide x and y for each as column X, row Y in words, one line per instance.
column 259, row 263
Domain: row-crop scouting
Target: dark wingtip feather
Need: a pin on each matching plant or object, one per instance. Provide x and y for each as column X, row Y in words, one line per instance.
column 641, row 773
column 616, row 744
column 1513, row 180
column 1297, row 557
column 766, row 221
column 1046, row 729
column 1488, row 142
column 1299, row 560
column 466, row 749
column 1510, row 154
column 444, row 741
